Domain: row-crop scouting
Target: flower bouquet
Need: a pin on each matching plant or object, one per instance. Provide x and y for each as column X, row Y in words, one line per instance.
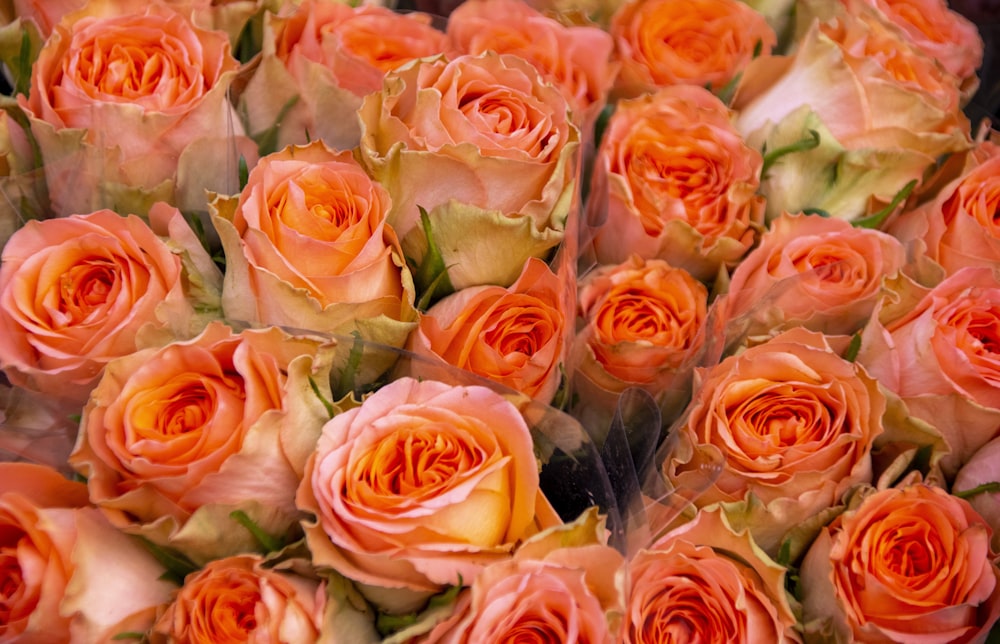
column 560, row 320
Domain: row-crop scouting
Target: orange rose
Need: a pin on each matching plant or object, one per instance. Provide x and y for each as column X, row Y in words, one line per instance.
column 514, row 336
column 576, row 59
column 307, row 246
column 957, row 227
column 708, row 582
column 129, row 106
column 320, row 60
column 937, row 350
column 176, row 438
column 77, row 292
column 420, row 487
column 811, row 271
column 487, row 149
column 691, row 42
column 68, row 575
column 680, row 184
column 794, row 425
column 238, row 599
column 909, row 564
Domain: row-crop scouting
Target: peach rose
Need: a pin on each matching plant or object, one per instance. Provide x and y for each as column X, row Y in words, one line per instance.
column 872, row 112
column 957, row 228
column 238, row 599
column 909, row 564
column 307, row 246
column 77, row 292
column 937, row 350
column 691, row 42
column 982, row 470
column 643, row 325
column 574, row 58
column 811, row 271
column 320, row 60
column 176, row 438
column 794, row 423
column 706, row 582
column 486, row 148
column 128, row 104
column 420, row 487
column 68, row 575
column 680, row 184
column 515, row 336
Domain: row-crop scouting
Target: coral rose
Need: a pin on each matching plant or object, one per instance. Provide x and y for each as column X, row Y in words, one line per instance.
column 685, row 42
column 811, row 271
column 515, row 336
column 77, row 292
column 68, row 575
column 794, row 424
column 679, row 184
column 317, row 63
column 176, row 438
column 910, row 564
column 421, row 487
column 128, row 104
column 486, row 148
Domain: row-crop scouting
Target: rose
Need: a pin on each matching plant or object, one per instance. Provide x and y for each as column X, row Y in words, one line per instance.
column 866, row 112
column 977, row 481
column 420, row 487
column 574, row 58
column 68, row 574
column 643, row 324
column 956, row 228
column 486, row 148
column 318, row 62
column 238, row 599
column 936, row 349
column 514, row 336
column 307, row 246
column 680, row 184
column 556, row 589
column 176, row 438
column 157, row 133
column 79, row 291
column 660, row 43
column 793, row 425
column 811, row 271
column 875, row 574
column 709, row 582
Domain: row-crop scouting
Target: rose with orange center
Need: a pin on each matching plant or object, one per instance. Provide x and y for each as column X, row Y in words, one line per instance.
column 939, row 350
column 80, row 291
column 660, row 43
column 486, row 148
column 811, row 271
column 128, row 105
column 68, row 575
column 176, row 438
column 321, row 59
column 421, row 487
column 909, row 564
column 308, row 246
column 792, row 422
column 679, row 184
column 514, row 336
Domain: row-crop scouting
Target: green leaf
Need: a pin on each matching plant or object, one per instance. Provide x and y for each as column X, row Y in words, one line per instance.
column 177, row 564
column 22, row 73
column 130, row 635
column 330, row 409
column 387, row 624
column 727, row 92
column 347, row 376
column 267, row 542
column 986, row 488
column 244, row 173
column 431, row 276
column 267, row 140
column 853, row 348
column 875, row 221
column 802, row 145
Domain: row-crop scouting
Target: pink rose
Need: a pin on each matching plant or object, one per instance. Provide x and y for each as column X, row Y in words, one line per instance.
column 421, row 486
column 174, row 439
column 675, row 181
column 875, row 574
column 126, row 140
column 811, row 271
column 79, row 291
column 68, row 575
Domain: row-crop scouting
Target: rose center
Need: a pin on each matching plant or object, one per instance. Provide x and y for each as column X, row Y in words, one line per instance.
column 11, row 584
column 408, row 463
column 85, row 287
